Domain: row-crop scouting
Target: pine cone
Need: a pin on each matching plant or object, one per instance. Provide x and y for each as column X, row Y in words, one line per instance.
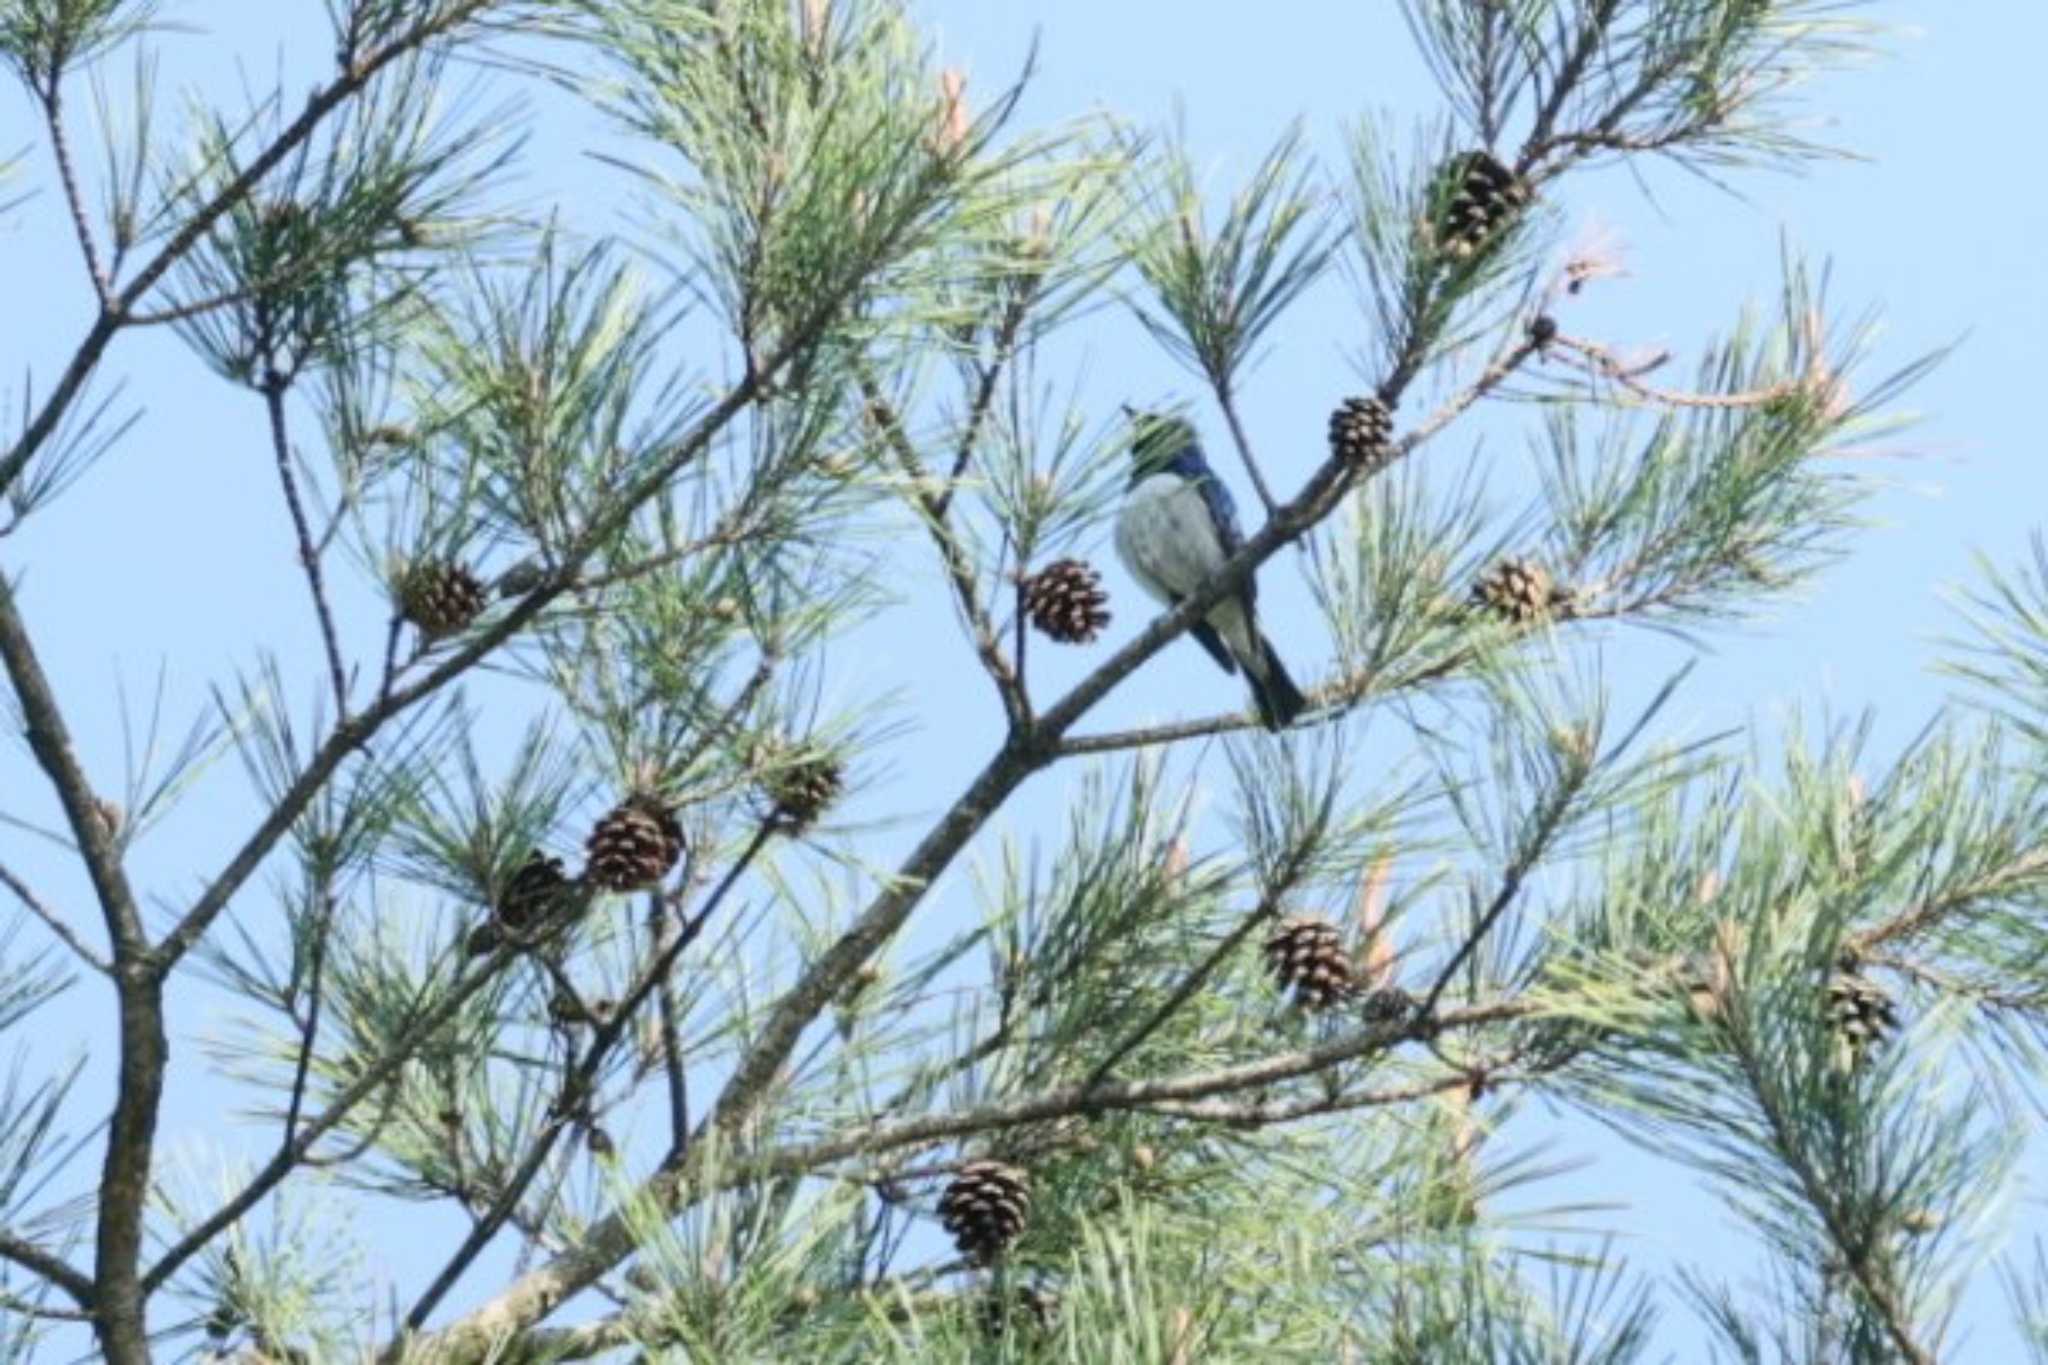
column 533, row 892
column 1066, row 601
column 1471, row 200
column 441, row 597
column 1361, row 433
column 984, row 1208
column 802, row 791
column 1388, row 1005
column 485, row 938
column 1308, row 955
column 1518, row 590
column 634, row 845
column 1860, row 1014
column 1028, row 1305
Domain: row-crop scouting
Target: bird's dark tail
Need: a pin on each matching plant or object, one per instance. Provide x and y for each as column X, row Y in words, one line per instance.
column 1273, row 692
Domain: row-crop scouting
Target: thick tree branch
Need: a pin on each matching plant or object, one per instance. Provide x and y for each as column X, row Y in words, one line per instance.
column 131, row 1128
column 49, row 1266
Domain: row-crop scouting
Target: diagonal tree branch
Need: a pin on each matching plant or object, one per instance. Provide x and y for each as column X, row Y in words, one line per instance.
column 57, row 923
column 51, row 1267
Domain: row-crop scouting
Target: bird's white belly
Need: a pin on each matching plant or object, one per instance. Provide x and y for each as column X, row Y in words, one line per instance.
column 1165, row 538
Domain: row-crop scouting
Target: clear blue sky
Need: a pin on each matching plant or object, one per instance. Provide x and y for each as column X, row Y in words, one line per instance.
column 173, row 553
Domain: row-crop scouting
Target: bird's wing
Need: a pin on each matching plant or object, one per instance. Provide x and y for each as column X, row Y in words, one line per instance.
column 1167, row 537
column 1222, row 512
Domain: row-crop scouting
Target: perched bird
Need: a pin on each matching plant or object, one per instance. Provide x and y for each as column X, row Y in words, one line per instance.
column 1177, row 527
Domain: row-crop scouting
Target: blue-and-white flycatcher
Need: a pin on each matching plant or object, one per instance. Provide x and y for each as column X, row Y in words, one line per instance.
column 1177, row 527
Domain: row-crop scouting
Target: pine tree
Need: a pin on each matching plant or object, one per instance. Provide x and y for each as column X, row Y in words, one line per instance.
column 595, row 781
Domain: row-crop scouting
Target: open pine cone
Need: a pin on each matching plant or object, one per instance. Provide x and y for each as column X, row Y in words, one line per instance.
column 984, row 1208
column 441, row 597
column 1307, row 955
column 1066, row 602
column 1518, row 590
column 634, row 845
column 1361, row 433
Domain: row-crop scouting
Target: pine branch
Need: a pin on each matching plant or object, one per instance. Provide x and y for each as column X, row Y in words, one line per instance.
column 274, row 388
column 115, row 317
column 959, row 568
column 50, row 1267
column 57, row 923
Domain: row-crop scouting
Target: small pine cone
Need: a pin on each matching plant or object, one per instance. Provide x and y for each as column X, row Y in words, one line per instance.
column 1031, row 1306
column 1308, row 955
column 804, row 790
column 441, row 597
column 1518, row 590
column 1473, row 198
column 634, row 845
column 485, row 938
column 1861, row 1015
column 1066, row 601
column 1388, row 1005
column 1361, row 433
column 984, row 1208
column 533, row 892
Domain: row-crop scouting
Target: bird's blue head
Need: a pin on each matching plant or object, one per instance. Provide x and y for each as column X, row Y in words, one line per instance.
column 1160, row 441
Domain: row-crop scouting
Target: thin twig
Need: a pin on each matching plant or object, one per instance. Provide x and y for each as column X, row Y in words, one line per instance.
column 1227, row 400
column 57, row 924
column 1269, row 902
column 274, row 388
column 1569, row 74
column 1265, row 1114
column 310, row 1031
column 1853, row 1247
column 668, row 1017
column 1548, row 817
column 1084, row 1099
column 983, row 401
column 1597, row 359
column 14, row 1303
column 60, row 146
column 959, row 569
